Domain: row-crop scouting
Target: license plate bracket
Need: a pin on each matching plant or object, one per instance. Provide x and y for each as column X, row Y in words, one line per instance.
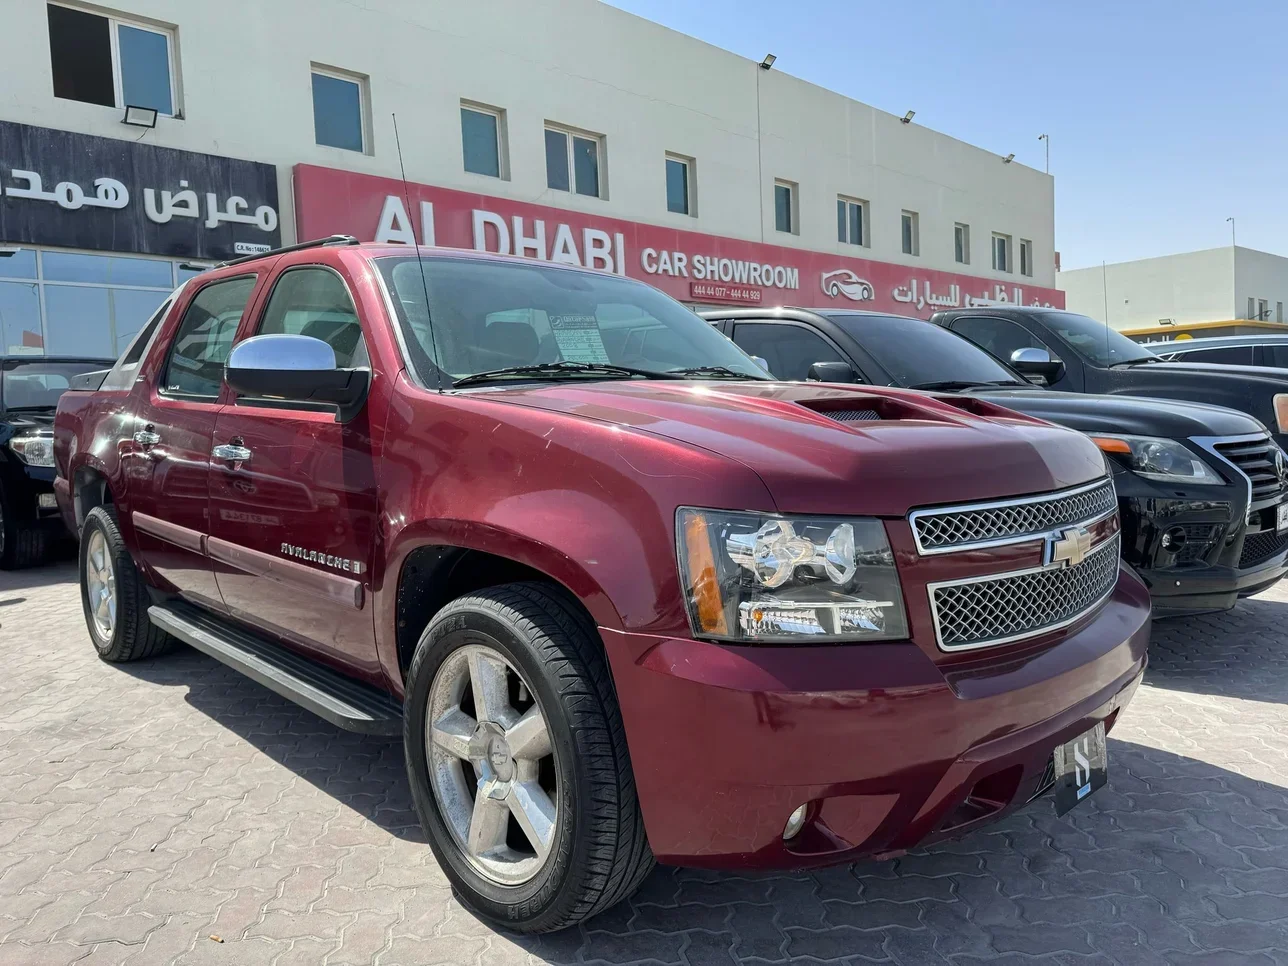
column 1081, row 768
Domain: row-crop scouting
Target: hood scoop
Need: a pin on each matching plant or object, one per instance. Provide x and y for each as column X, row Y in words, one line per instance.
column 851, row 415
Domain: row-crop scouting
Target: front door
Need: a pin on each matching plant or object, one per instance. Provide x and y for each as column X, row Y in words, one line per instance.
column 293, row 494
column 170, row 433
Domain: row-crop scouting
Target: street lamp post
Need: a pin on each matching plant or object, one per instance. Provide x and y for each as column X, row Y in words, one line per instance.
column 1047, row 138
column 1233, row 243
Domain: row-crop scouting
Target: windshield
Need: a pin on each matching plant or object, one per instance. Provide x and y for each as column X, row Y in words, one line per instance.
column 490, row 315
column 38, row 383
column 1094, row 341
column 915, row 353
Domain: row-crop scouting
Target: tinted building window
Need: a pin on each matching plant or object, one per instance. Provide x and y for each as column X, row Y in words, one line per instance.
column 337, row 112
column 677, row 186
column 557, row 174
column 81, row 57
column 783, row 220
column 481, row 142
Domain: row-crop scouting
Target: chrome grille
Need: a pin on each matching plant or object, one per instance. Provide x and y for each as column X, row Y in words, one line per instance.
column 984, row 611
column 852, row 415
column 950, row 529
column 1255, row 458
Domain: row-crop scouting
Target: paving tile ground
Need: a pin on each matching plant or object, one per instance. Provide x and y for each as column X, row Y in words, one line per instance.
column 147, row 808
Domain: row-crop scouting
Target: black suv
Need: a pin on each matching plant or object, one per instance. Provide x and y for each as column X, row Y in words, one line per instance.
column 1201, row 488
column 1089, row 356
column 30, row 524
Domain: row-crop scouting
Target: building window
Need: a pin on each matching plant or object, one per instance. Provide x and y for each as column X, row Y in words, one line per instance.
column 786, row 213
column 339, row 109
column 910, row 231
column 961, row 243
column 1263, row 310
column 1026, row 257
column 572, row 161
column 1252, row 308
column 1279, row 311
column 1001, row 252
column 851, row 221
column 483, row 141
column 105, row 60
column 55, row 302
column 679, row 185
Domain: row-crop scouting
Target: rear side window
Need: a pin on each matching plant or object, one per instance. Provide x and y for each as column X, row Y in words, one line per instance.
column 316, row 302
column 1226, row 355
column 195, row 366
column 789, row 349
column 1275, row 355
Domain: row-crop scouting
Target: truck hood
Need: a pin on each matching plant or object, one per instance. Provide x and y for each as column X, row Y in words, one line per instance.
column 906, row 449
column 1132, row 415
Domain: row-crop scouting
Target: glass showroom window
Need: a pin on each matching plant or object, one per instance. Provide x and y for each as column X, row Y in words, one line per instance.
column 339, row 110
column 572, row 161
column 483, row 140
column 102, row 59
column 63, row 303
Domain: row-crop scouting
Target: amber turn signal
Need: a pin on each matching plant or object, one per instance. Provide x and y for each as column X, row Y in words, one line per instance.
column 1110, row 445
column 702, row 574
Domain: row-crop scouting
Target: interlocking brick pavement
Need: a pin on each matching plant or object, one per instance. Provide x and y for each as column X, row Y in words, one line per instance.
column 148, row 807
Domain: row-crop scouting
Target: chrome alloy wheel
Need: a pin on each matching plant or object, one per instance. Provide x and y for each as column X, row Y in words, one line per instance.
column 100, row 585
column 491, row 765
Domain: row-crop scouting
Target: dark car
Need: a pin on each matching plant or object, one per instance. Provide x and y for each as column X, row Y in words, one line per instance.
column 29, row 389
column 1258, row 349
column 621, row 594
column 1089, row 356
column 1201, row 488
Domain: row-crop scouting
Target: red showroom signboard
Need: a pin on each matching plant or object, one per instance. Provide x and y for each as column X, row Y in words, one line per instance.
column 687, row 265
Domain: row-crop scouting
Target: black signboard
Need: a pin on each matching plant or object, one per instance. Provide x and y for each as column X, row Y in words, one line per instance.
column 81, row 191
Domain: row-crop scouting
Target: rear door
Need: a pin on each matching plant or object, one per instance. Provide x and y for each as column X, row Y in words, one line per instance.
column 167, row 472
column 293, row 528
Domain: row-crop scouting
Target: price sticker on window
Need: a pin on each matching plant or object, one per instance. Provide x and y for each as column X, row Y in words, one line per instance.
column 578, row 338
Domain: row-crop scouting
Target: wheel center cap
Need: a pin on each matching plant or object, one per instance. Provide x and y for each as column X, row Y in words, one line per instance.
column 492, row 751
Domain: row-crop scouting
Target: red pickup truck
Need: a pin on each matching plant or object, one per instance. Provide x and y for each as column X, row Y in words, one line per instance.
column 622, row 595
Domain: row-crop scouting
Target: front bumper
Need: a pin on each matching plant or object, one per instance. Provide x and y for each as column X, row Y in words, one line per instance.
column 890, row 748
column 29, row 496
column 1229, row 550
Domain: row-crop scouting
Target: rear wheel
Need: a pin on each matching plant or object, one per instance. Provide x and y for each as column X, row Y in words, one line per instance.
column 113, row 594
column 518, row 761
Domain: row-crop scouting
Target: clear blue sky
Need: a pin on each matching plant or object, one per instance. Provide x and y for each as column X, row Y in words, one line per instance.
column 1165, row 118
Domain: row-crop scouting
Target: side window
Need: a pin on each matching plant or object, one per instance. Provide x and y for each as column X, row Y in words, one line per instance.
column 1226, row 355
column 1275, row 355
column 999, row 336
column 789, row 349
column 316, row 302
column 195, row 366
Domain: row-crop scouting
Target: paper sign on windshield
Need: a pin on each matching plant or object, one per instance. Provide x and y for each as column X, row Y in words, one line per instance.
column 578, row 338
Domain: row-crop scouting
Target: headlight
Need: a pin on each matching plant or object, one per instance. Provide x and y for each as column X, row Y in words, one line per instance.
column 34, row 450
column 763, row 578
column 1164, row 460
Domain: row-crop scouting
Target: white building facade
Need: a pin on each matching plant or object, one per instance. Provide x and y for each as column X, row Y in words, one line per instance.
column 1194, row 288
column 573, row 132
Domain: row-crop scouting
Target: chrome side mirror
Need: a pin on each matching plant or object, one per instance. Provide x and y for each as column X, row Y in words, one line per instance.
column 1037, row 365
column 295, row 368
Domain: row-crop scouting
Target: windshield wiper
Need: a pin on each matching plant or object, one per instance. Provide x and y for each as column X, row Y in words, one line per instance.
column 955, row 385
column 715, row 372
column 560, row 369
column 1142, row 361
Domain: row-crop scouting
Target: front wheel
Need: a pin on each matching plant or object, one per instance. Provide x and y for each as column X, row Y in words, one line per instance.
column 113, row 594
column 518, row 763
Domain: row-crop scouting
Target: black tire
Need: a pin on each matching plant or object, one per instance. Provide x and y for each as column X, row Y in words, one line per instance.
column 133, row 636
column 23, row 542
column 600, row 853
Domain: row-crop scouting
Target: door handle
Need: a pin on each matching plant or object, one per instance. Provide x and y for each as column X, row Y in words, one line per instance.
column 231, row 452
column 146, row 437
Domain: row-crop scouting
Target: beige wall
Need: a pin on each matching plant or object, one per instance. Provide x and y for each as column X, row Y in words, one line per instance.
column 1193, row 287
column 244, row 69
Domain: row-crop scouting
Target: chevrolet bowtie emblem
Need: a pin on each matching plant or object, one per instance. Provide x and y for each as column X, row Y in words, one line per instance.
column 1069, row 548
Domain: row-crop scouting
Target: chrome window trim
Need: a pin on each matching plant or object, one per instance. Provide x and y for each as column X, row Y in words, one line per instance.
column 1209, row 445
column 939, row 511
column 1114, row 541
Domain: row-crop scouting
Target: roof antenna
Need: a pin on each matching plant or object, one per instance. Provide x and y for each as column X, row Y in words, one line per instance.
column 420, row 260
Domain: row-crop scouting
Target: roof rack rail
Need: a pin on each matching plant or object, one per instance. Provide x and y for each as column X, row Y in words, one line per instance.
column 315, row 243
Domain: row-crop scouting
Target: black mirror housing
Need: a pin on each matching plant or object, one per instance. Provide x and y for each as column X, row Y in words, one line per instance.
column 832, row 372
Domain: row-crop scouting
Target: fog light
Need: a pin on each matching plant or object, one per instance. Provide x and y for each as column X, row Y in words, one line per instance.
column 795, row 822
column 1174, row 539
